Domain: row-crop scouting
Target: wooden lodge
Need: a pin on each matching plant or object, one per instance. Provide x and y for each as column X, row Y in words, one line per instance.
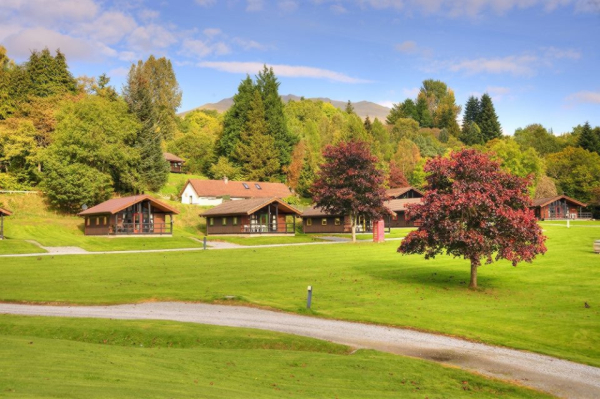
column 316, row 220
column 398, row 206
column 175, row 162
column 251, row 216
column 404, row 192
column 135, row 215
column 559, row 207
column 215, row 192
column 3, row 213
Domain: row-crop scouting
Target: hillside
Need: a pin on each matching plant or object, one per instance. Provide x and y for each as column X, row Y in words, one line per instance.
column 362, row 108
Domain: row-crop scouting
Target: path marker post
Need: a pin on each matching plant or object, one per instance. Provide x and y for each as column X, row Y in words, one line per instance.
column 204, row 241
column 309, row 298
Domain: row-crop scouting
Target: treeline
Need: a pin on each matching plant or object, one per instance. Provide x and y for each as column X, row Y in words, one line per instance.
column 80, row 140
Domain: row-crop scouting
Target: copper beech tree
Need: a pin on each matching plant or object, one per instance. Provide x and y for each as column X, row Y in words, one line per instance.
column 349, row 183
column 473, row 209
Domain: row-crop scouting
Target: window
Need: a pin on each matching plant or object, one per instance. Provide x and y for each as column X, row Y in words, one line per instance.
column 257, row 186
column 324, row 222
column 191, row 199
column 337, row 221
column 395, row 217
column 247, row 187
column 309, row 222
column 97, row 221
column 235, row 221
column 211, row 221
column 87, row 221
column 224, row 221
column 104, row 221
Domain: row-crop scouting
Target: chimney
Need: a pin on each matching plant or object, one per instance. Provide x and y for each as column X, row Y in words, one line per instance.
column 225, row 179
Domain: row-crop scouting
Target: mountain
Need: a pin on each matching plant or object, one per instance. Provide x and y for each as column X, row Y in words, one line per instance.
column 362, row 108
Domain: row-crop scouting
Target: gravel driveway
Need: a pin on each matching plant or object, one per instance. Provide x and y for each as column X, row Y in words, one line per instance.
column 559, row 377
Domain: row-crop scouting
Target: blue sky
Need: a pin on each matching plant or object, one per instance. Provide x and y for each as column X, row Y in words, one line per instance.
column 538, row 59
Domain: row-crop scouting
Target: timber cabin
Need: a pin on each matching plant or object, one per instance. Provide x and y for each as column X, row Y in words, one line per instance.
column 404, row 192
column 175, row 162
column 559, row 207
column 214, row 192
column 135, row 215
column 3, row 212
column 398, row 206
column 316, row 220
column 251, row 216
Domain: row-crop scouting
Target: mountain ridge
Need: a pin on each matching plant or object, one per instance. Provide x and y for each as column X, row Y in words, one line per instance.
column 362, row 108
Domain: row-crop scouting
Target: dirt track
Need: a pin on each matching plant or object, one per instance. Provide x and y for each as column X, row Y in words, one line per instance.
column 559, row 377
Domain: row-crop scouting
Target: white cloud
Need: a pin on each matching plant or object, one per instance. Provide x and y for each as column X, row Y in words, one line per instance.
column 211, row 32
column 287, row 6
column 149, row 38
column 250, row 44
column 282, row 70
column 21, row 44
column 521, row 65
column 338, row 9
column 129, row 56
column 254, row 5
column 411, row 93
column 47, row 12
column 386, row 103
column 148, row 15
column 200, row 49
column 205, row 3
column 109, row 28
column 408, row 46
column 587, row 97
column 553, row 52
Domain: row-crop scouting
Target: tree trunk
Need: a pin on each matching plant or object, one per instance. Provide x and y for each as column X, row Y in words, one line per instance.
column 474, row 266
column 353, row 223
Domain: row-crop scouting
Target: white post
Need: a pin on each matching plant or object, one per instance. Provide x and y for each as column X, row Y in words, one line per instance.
column 568, row 223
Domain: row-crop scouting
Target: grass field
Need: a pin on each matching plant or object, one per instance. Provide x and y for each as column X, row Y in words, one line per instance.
column 538, row 307
column 86, row 358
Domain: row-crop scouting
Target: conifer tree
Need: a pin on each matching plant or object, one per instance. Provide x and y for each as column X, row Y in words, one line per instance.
column 349, row 107
column 588, row 139
column 235, row 118
column 48, row 75
column 307, row 175
column 368, row 125
column 276, row 125
column 471, row 112
column 256, row 151
column 472, row 135
column 425, row 119
column 488, row 120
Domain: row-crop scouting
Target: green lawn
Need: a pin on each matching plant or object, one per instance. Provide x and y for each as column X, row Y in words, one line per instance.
column 86, row 358
column 10, row 246
column 268, row 240
column 394, row 233
column 538, row 307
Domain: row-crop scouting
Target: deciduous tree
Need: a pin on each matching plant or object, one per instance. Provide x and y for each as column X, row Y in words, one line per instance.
column 474, row 210
column 349, row 183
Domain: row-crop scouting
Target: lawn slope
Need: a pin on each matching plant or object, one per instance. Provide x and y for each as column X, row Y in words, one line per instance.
column 50, row 357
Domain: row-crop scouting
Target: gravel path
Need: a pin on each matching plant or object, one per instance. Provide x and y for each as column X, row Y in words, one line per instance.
column 559, row 377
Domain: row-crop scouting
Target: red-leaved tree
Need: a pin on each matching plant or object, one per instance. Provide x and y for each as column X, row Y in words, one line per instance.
column 473, row 209
column 396, row 177
column 349, row 183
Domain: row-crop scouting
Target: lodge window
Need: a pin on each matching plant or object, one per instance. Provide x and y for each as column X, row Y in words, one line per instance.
column 97, row 221
column 247, row 187
column 224, row 221
column 337, row 221
column 324, row 222
column 211, row 221
column 104, row 220
column 395, row 217
column 235, row 222
column 87, row 221
column 309, row 222
column 257, row 186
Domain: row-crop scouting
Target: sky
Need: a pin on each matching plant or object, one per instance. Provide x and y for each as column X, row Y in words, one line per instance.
column 538, row 59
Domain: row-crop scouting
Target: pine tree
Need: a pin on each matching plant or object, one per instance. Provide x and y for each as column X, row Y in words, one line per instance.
column 425, row 119
column 488, row 120
column 472, row 135
column 276, row 125
column 349, row 107
column 256, row 151
column 588, row 139
column 472, row 110
column 48, row 75
column 368, row 125
column 153, row 169
column 307, row 175
column 235, row 118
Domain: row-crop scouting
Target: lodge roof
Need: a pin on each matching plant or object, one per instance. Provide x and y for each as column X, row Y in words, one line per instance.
column 315, row 211
column 116, row 205
column 545, row 201
column 247, row 207
column 396, row 192
column 171, row 157
column 399, row 205
column 5, row 212
column 237, row 189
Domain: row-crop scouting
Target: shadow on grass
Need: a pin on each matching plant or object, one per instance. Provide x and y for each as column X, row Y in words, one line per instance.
column 442, row 278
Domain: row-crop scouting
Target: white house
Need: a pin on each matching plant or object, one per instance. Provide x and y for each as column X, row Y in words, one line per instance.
column 213, row 192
